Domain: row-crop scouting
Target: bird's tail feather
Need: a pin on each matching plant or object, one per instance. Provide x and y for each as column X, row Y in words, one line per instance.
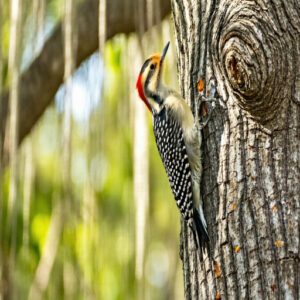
column 199, row 230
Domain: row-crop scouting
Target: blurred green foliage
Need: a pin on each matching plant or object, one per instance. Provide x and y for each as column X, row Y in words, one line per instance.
column 95, row 258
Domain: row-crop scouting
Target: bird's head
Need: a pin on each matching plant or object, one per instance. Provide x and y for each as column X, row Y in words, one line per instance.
column 149, row 80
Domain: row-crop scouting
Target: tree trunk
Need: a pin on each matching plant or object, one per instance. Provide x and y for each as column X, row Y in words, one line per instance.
column 251, row 145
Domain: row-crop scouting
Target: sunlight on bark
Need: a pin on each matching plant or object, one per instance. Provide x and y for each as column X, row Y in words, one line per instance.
column 1, row 70
column 97, row 146
column 150, row 18
column 13, row 63
column 141, row 169
column 141, row 186
column 88, row 214
column 1, row 185
column 27, row 190
column 38, row 13
column 69, row 66
column 41, row 21
column 69, row 48
column 13, row 66
column 42, row 274
column 102, row 25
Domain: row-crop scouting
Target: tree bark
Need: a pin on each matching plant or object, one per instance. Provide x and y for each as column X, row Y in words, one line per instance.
column 39, row 83
column 251, row 146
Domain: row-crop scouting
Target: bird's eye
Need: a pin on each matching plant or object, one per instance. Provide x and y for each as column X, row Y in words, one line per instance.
column 152, row 66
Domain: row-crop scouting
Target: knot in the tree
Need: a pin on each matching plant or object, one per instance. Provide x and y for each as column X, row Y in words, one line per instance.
column 252, row 57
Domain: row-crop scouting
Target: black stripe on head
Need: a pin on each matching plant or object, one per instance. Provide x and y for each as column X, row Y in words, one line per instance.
column 155, row 96
column 146, row 63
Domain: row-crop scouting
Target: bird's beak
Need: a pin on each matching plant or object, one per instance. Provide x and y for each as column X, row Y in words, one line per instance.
column 165, row 51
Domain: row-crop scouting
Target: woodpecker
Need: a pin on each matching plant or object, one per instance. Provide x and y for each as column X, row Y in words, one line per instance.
column 177, row 139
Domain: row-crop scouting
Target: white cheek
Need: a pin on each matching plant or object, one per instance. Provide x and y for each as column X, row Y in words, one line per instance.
column 153, row 81
column 151, row 85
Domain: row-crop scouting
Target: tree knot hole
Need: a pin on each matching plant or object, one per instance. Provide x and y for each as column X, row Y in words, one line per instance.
column 235, row 72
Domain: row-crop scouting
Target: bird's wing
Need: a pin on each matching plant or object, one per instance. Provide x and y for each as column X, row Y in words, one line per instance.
column 172, row 150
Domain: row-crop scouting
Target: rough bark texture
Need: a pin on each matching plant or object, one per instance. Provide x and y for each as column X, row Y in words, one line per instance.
column 251, row 147
column 40, row 82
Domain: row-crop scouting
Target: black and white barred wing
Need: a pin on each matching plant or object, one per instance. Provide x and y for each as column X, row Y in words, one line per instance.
column 171, row 146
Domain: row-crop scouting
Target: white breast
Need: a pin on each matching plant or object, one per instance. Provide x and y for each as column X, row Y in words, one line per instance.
column 181, row 112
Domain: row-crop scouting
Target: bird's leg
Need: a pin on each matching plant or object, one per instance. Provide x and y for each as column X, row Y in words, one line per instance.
column 197, row 124
column 205, row 113
column 212, row 99
column 204, row 121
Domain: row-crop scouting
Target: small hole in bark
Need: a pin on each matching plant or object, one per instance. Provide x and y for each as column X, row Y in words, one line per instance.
column 233, row 68
column 273, row 287
column 181, row 48
column 235, row 72
column 203, row 109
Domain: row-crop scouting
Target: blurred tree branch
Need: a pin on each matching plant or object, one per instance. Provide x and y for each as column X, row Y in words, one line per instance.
column 39, row 83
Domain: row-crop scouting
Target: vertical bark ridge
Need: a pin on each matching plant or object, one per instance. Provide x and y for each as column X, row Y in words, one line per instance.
column 274, row 215
column 203, row 281
column 242, row 259
column 194, row 268
column 257, row 257
column 292, row 186
column 213, row 208
column 186, row 265
column 267, row 232
column 211, row 285
column 208, row 284
column 207, row 9
column 297, row 279
column 238, row 236
column 189, row 50
column 180, row 38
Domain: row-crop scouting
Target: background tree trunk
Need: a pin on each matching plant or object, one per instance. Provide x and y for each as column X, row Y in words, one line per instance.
column 251, row 148
column 41, row 80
